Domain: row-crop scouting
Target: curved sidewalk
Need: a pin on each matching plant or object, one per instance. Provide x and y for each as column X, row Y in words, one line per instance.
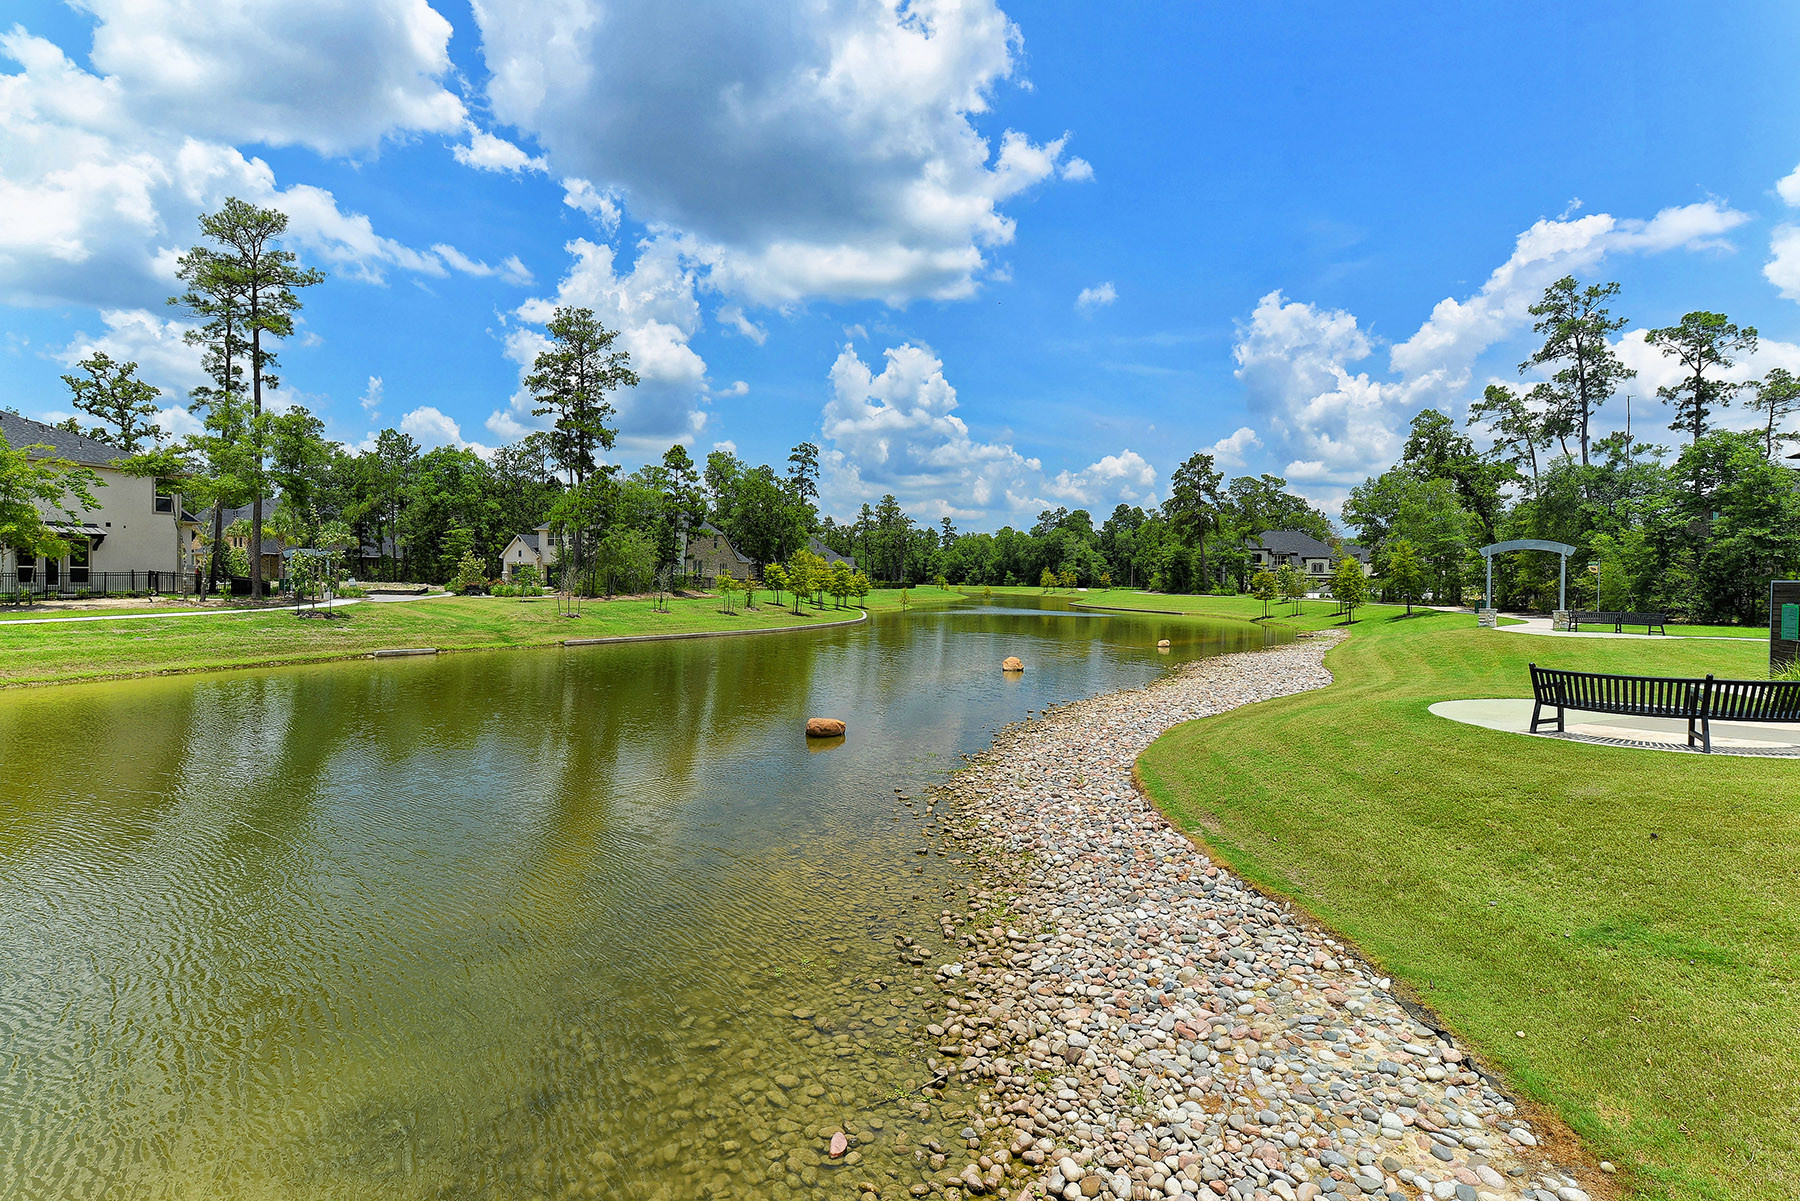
column 1542, row 625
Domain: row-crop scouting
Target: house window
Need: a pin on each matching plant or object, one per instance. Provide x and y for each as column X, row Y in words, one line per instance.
column 27, row 570
column 79, row 553
column 165, row 496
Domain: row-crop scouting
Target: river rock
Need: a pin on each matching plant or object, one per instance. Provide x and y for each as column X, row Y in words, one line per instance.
column 1141, row 1023
column 1012, row 663
column 1162, row 644
column 824, row 727
column 840, row 1143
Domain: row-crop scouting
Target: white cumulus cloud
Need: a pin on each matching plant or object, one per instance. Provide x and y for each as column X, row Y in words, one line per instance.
column 103, row 175
column 431, row 427
column 1125, row 476
column 489, row 152
column 1098, row 296
column 654, row 310
column 821, row 149
column 1336, row 422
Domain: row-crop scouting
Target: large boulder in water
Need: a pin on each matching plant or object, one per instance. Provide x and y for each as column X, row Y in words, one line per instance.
column 1012, row 663
column 824, row 727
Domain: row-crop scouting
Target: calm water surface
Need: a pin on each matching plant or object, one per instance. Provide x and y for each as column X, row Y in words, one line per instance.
column 525, row 924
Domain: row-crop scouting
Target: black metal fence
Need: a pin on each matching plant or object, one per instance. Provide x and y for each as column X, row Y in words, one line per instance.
column 37, row 583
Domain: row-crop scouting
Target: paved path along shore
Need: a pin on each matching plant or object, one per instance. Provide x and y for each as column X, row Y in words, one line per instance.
column 1146, row 1025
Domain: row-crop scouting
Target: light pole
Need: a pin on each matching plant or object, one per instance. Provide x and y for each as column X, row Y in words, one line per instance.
column 1595, row 568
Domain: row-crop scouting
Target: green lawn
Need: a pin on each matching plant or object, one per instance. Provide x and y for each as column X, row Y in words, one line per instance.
column 1635, row 914
column 90, row 650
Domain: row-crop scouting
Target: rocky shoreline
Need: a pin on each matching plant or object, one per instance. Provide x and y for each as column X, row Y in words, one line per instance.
column 1142, row 1024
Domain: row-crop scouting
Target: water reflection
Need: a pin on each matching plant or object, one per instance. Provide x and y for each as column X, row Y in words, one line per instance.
column 534, row 923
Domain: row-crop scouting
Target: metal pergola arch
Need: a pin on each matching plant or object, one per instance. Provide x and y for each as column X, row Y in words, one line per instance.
column 1562, row 576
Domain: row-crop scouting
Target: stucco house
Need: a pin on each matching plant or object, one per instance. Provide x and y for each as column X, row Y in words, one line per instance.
column 710, row 554
column 137, row 528
column 1315, row 560
column 536, row 547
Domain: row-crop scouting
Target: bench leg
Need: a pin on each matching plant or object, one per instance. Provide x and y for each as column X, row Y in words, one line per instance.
column 1706, row 734
column 1536, row 709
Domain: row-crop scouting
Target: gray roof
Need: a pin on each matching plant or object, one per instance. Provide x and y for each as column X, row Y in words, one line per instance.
column 1301, row 544
column 830, row 556
column 23, row 431
column 531, row 540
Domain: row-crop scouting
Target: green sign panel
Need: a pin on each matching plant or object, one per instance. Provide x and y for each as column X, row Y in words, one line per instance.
column 1790, row 623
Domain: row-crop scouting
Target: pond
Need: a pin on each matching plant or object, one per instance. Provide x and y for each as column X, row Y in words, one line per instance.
column 593, row 922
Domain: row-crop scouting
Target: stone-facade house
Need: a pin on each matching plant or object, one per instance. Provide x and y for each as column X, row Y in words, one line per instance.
column 709, row 554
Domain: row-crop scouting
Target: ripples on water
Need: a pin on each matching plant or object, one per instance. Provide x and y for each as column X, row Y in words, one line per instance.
column 501, row 925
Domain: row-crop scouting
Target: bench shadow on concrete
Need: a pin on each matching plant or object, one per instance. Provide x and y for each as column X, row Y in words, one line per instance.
column 1513, row 716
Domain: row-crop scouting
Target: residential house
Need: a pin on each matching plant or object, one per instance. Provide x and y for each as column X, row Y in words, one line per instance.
column 1315, row 560
column 372, row 558
column 830, row 556
column 535, row 547
column 137, row 527
column 236, row 524
column 709, row 554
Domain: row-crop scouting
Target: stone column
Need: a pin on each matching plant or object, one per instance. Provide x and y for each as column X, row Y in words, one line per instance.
column 1487, row 619
column 1559, row 620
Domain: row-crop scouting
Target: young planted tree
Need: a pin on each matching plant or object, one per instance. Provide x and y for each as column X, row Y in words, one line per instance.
column 571, row 381
column 1703, row 344
column 1291, row 583
column 111, row 393
column 28, row 486
column 1405, row 576
column 1778, row 394
column 840, row 582
column 1349, row 587
column 1575, row 323
column 265, row 279
column 859, row 587
column 727, row 588
column 775, row 576
column 1263, row 588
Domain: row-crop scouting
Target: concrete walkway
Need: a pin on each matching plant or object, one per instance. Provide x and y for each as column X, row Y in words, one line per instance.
column 1513, row 715
column 1542, row 625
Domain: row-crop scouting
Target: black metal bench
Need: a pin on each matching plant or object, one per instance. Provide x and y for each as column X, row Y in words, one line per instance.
column 1652, row 622
column 1697, row 701
column 1584, row 617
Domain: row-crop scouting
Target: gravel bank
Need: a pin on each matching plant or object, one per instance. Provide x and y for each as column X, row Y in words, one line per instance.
column 1145, row 1025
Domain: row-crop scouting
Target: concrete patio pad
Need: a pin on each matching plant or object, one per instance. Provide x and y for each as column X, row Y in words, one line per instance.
column 1513, row 715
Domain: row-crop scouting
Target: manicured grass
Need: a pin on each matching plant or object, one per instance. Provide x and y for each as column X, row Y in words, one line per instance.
column 1758, row 633
column 1308, row 615
column 36, row 654
column 1635, row 914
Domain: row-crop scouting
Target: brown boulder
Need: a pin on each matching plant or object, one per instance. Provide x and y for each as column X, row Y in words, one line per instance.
column 1163, row 645
column 824, row 727
column 1012, row 663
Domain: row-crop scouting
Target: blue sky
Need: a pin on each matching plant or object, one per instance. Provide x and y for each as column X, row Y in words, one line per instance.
column 991, row 259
